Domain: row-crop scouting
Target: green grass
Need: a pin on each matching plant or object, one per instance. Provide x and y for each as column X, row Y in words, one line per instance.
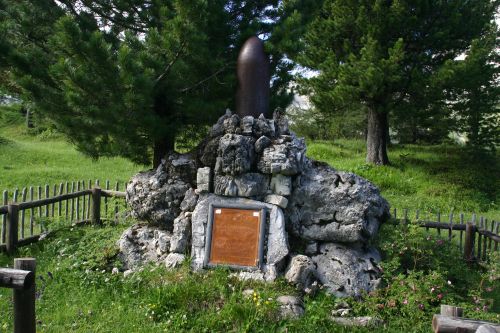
column 79, row 293
column 46, row 158
column 435, row 178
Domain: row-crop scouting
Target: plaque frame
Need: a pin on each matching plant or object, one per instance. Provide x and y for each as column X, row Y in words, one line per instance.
column 262, row 235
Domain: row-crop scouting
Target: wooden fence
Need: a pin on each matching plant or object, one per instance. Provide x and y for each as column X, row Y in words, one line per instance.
column 22, row 280
column 25, row 217
column 476, row 237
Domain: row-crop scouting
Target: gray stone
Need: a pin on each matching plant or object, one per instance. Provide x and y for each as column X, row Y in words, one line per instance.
column 328, row 205
column 155, row 196
column 347, row 270
column 341, row 312
column 180, row 236
column 248, row 276
column 358, row 321
column 301, row 271
column 291, row 307
column 141, row 244
column 218, row 128
column 285, row 158
column 231, row 124
column 281, row 184
column 204, row 179
column 189, row 201
column 181, row 166
column 277, row 243
column 174, row 260
column 237, row 154
column 247, row 125
column 245, row 185
column 311, row 248
column 277, row 200
column 248, row 293
column 207, row 151
column 262, row 143
column 263, row 126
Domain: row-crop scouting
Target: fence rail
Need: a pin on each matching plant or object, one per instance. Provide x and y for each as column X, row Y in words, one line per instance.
column 475, row 239
column 70, row 203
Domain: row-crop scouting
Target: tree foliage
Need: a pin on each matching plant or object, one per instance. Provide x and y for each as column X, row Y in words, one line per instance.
column 387, row 56
column 119, row 76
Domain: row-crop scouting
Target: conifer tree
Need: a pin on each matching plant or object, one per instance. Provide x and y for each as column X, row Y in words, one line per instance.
column 121, row 76
column 387, row 56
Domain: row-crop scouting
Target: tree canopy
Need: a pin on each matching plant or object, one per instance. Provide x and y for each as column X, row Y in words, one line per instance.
column 387, row 57
column 118, row 77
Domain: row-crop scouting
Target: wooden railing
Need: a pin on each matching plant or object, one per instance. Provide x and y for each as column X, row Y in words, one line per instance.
column 475, row 239
column 74, row 207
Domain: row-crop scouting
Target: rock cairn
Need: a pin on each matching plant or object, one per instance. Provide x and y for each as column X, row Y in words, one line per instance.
column 319, row 222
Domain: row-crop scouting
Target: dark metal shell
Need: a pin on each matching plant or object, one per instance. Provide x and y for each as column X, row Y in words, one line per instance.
column 252, row 97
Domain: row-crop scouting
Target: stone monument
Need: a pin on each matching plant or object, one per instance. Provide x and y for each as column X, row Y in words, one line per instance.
column 315, row 222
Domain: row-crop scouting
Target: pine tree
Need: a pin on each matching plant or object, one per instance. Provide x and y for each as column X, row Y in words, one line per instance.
column 474, row 92
column 386, row 56
column 119, row 77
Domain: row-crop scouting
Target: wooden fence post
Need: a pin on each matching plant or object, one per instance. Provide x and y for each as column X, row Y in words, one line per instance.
column 470, row 230
column 12, row 227
column 96, row 206
column 24, row 300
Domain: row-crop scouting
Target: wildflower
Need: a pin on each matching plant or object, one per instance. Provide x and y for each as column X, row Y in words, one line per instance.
column 405, row 301
column 380, row 306
column 432, row 289
column 440, row 296
column 485, row 308
column 440, row 242
column 421, row 306
column 489, row 289
column 449, row 282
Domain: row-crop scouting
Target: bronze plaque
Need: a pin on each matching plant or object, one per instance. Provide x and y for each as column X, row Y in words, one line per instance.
column 235, row 237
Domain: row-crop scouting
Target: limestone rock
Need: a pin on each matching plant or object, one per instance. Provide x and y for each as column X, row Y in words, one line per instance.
column 277, row 243
column 204, row 179
column 141, row 244
column 236, row 154
column 247, row 125
column 180, row 166
column 281, row 184
column 291, row 307
column 358, row 321
column 347, row 270
column 218, row 128
column 246, row 185
column 328, row 205
column 189, row 202
column 155, row 197
column 207, row 151
column 262, row 143
column 301, row 271
column 286, row 158
column 180, row 236
column 174, row 260
column 263, row 126
column 231, row 124
column 277, row 200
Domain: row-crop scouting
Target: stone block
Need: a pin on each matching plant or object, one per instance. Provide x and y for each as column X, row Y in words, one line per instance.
column 204, row 179
column 277, row 200
column 281, row 184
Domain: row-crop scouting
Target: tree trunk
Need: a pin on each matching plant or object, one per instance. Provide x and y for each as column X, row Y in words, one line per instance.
column 161, row 148
column 376, row 140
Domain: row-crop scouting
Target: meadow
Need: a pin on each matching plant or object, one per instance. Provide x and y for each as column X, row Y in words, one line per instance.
column 78, row 291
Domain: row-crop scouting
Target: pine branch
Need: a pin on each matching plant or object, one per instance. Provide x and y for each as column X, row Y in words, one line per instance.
column 170, row 64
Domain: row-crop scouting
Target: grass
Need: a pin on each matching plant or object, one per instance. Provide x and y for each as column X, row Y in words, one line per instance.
column 46, row 158
column 433, row 178
column 79, row 293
